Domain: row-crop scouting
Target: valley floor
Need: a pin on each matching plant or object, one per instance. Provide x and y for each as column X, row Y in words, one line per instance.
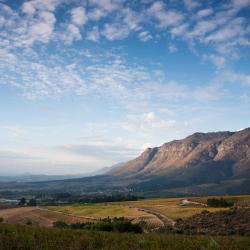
column 154, row 213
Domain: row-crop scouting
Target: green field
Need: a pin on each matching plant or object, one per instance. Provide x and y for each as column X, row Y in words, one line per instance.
column 30, row 238
column 169, row 207
column 154, row 213
column 99, row 210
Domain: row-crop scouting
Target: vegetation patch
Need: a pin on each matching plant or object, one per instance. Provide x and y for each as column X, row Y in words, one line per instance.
column 233, row 221
column 31, row 238
column 213, row 202
column 120, row 225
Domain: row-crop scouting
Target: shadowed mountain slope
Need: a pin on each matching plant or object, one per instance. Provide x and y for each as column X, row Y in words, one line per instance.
column 201, row 160
column 197, row 149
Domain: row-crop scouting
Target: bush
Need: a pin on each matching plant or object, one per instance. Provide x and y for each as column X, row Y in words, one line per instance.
column 60, row 224
column 29, row 222
column 1, row 220
column 22, row 202
column 219, row 203
column 120, row 225
column 32, row 202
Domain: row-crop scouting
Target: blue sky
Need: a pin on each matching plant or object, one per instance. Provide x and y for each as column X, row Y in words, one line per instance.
column 87, row 84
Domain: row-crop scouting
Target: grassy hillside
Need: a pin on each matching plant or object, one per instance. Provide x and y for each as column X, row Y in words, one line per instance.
column 29, row 238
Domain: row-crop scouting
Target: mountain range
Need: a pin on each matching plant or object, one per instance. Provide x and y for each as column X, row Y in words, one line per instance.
column 200, row 164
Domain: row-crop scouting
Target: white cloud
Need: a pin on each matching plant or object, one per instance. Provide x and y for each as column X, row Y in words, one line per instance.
column 164, row 124
column 107, row 5
column 149, row 117
column 29, row 8
column 96, row 14
column 231, row 30
column 72, row 34
column 237, row 78
column 204, row 13
column 145, row 36
column 191, row 4
column 179, row 29
column 78, row 16
column 241, row 3
column 217, row 60
column 94, row 34
column 172, row 48
column 115, row 31
column 42, row 29
column 165, row 17
column 147, row 121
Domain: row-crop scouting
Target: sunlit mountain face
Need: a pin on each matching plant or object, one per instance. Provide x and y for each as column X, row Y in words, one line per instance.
column 88, row 84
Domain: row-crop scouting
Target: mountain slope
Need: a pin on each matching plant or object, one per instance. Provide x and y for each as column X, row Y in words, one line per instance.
column 199, row 162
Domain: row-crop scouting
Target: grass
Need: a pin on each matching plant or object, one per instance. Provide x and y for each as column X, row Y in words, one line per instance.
column 30, row 238
column 181, row 212
column 99, row 210
column 36, row 216
column 169, row 207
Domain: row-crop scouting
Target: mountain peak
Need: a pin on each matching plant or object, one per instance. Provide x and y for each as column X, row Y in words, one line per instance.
column 195, row 150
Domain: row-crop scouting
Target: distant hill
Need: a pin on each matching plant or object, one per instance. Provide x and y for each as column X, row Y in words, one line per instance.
column 35, row 178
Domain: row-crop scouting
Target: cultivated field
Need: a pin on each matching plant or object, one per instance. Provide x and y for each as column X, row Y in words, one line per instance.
column 154, row 212
column 172, row 208
column 37, row 216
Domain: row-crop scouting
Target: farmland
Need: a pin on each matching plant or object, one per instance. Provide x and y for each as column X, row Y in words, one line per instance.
column 154, row 213
column 171, row 208
column 36, row 216
column 159, row 219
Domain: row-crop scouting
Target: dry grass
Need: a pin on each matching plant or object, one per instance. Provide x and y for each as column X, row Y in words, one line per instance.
column 176, row 212
column 36, row 216
column 99, row 210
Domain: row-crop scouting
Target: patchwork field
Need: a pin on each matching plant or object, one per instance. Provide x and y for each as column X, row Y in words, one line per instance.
column 154, row 212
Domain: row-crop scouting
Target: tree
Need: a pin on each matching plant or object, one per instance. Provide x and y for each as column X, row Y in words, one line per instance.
column 32, row 202
column 22, row 201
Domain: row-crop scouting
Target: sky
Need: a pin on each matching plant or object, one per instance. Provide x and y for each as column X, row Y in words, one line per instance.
column 85, row 84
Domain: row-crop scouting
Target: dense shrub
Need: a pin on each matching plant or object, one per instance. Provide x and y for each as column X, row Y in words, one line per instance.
column 219, row 202
column 120, row 225
column 227, row 222
column 32, row 202
column 60, row 224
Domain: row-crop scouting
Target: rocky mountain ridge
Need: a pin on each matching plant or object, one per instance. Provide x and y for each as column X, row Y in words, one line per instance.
column 202, row 161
